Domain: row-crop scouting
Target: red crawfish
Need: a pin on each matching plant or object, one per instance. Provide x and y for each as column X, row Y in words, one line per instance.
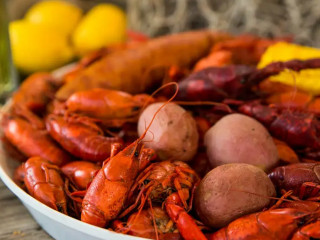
column 302, row 178
column 278, row 224
column 244, row 49
column 173, row 184
column 32, row 141
column 35, row 92
column 298, row 128
column 234, row 81
column 108, row 192
column 110, row 107
column 80, row 173
column 44, row 182
column 149, row 223
column 308, row 232
column 83, row 139
column 106, row 103
column 311, row 230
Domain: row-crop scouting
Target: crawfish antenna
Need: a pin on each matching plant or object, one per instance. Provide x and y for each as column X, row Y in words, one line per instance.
column 162, row 106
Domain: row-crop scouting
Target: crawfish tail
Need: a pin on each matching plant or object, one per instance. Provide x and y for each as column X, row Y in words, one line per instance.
column 33, row 142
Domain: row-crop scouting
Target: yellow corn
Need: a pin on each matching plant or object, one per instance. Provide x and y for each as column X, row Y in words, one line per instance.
column 308, row 80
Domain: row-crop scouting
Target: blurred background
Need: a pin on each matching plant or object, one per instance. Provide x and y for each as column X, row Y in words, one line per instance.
column 89, row 25
column 264, row 18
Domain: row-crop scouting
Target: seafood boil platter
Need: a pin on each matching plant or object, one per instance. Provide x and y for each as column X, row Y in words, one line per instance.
column 195, row 135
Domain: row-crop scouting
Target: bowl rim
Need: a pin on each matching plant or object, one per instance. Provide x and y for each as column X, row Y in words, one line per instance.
column 66, row 220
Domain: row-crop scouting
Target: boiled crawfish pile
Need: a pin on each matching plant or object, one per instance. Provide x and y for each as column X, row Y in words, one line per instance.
column 81, row 155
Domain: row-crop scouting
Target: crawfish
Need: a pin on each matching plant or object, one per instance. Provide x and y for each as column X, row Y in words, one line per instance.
column 234, row 81
column 35, row 92
column 150, row 223
column 44, row 182
column 245, row 49
column 311, row 230
column 302, row 178
column 271, row 224
column 32, row 141
column 83, row 139
column 108, row 192
column 106, row 104
column 80, row 173
column 307, row 232
column 171, row 183
column 298, row 128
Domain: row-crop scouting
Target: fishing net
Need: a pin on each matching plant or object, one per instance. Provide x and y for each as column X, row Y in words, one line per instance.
column 265, row 18
column 268, row 18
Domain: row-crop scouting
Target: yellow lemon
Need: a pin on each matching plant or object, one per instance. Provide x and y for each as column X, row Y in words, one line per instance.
column 103, row 25
column 60, row 15
column 307, row 80
column 38, row 48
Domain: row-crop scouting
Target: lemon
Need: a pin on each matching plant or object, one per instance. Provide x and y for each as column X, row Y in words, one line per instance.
column 38, row 48
column 59, row 15
column 103, row 25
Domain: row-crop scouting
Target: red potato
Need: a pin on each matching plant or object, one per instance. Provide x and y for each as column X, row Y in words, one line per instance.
column 231, row 191
column 237, row 138
column 173, row 134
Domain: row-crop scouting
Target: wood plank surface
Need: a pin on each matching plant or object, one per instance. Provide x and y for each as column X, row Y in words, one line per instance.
column 15, row 221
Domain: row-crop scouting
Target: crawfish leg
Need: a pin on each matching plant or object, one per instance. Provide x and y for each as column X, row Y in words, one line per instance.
column 185, row 223
column 314, row 193
column 146, row 156
column 307, row 232
column 115, row 148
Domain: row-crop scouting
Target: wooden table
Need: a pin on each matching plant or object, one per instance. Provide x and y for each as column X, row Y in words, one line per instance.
column 15, row 221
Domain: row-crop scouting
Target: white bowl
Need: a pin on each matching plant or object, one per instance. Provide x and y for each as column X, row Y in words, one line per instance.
column 58, row 225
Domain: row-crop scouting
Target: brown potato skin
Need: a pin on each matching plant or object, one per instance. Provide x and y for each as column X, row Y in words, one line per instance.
column 173, row 133
column 230, row 191
column 237, row 138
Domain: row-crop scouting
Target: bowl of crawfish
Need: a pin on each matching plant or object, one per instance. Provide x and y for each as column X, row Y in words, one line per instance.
column 57, row 121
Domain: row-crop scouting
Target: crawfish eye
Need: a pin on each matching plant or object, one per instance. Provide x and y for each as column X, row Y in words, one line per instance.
column 136, row 154
column 135, row 108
